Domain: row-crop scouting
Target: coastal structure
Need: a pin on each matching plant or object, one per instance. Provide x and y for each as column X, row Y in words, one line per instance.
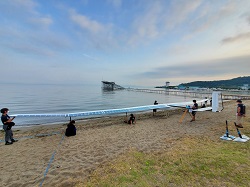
column 106, row 85
column 245, row 87
column 167, row 84
column 194, row 93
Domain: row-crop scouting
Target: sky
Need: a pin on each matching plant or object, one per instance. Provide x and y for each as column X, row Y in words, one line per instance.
column 132, row 42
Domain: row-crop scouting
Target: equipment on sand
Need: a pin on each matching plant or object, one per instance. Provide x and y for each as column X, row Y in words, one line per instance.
column 241, row 138
column 227, row 136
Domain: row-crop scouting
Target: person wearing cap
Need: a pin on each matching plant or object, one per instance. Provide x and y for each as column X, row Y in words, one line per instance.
column 194, row 107
column 240, row 113
column 7, row 125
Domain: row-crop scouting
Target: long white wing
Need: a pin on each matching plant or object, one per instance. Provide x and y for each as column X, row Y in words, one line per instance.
column 112, row 111
column 203, row 109
column 99, row 112
column 184, row 104
column 121, row 110
column 39, row 115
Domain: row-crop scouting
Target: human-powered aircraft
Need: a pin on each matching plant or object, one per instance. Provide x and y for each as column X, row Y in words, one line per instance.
column 118, row 111
column 214, row 108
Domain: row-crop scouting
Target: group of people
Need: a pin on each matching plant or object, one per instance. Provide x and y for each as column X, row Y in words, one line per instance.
column 71, row 128
column 194, row 107
column 240, row 111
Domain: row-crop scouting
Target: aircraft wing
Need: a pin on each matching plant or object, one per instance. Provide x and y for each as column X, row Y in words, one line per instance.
column 203, row 109
column 99, row 112
column 113, row 111
column 38, row 115
column 121, row 110
column 184, row 104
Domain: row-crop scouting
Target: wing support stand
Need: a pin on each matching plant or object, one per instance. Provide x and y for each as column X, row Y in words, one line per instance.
column 241, row 138
column 227, row 136
column 188, row 109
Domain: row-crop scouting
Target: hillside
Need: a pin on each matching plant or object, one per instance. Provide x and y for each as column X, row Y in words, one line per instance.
column 227, row 84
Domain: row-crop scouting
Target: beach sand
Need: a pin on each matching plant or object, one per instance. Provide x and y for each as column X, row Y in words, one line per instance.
column 98, row 141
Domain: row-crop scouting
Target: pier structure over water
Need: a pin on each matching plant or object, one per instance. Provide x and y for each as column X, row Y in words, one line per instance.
column 106, row 85
column 193, row 94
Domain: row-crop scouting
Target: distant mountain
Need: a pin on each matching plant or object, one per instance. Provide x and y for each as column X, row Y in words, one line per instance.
column 227, row 84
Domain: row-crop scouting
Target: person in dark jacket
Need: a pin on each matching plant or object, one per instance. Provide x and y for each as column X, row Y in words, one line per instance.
column 7, row 125
column 194, row 107
column 154, row 110
column 71, row 129
column 131, row 119
column 240, row 113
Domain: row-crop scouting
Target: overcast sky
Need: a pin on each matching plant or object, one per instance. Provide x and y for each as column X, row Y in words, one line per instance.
column 131, row 42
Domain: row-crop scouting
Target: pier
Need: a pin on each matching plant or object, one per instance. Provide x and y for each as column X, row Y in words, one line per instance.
column 226, row 95
column 235, row 97
column 106, row 85
column 192, row 94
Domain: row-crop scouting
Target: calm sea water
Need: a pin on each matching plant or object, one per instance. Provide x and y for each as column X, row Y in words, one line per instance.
column 32, row 99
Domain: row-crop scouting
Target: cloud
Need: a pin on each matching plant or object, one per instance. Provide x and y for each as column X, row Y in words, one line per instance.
column 30, row 49
column 158, row 18
column 180, row 11
column 92, row 33
column 24, row 14
column 90, row 57
column 146, row 25
column 43, row 22
column 116, row 3
column 27, row 5
column 28, row 31
column 207, row 16
column 35, row 43
column 248, row 20
column 209, row 68
column 237, row 38
column 86, row 23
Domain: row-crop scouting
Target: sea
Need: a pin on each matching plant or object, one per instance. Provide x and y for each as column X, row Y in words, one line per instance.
column 70, row 98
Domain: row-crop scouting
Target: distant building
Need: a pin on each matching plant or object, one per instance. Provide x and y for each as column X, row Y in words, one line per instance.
column 167, row 84
column 245, row 87
column 106, row 85
column 194, row 88
column 181, row 87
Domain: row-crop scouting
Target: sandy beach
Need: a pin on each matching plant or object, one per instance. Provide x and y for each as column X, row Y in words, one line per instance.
column 71, row 159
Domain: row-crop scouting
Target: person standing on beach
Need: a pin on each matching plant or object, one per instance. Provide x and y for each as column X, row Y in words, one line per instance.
column 71, row 129
column 194, row 107
column 154, row 110
column 240, row 113
column 7, row 125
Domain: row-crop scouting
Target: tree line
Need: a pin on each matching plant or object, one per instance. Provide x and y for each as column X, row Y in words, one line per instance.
column 235, row 83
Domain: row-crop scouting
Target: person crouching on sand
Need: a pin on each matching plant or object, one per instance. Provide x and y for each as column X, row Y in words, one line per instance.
column 131, row 120
column 71, row 129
